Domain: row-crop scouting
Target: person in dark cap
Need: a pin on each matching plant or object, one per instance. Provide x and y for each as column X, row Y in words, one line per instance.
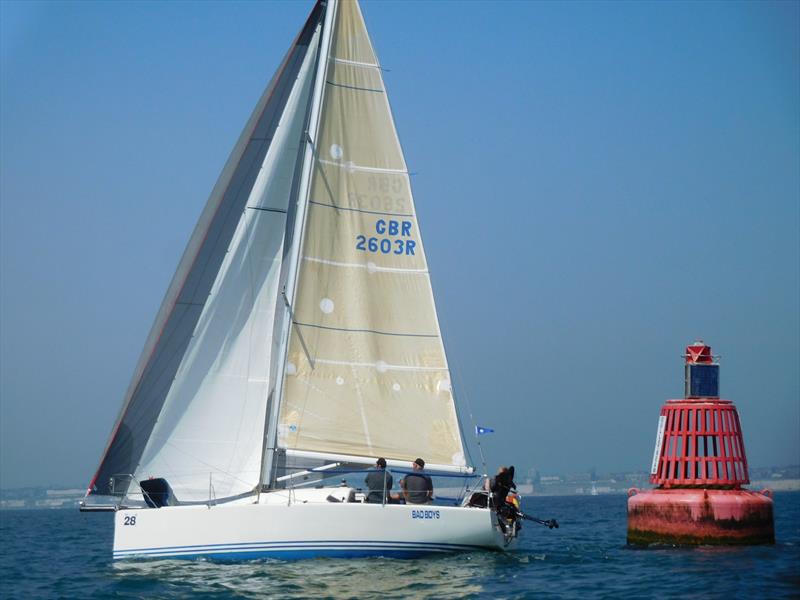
column 417, row 486
column 378, row 482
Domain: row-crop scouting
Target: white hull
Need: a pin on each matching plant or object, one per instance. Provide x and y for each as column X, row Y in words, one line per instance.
column 277, row 528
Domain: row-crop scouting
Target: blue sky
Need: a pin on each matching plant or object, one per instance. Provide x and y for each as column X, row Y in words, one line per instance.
column 597, row 184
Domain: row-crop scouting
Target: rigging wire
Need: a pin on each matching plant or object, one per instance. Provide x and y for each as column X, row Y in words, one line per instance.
column 457, row 371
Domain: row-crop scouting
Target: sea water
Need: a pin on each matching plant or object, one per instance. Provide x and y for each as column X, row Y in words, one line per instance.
column 66, row 554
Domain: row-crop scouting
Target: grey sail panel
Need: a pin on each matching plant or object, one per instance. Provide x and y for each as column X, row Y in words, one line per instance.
column 187, row 295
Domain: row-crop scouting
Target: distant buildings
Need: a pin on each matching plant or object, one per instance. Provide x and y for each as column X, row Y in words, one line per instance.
column 592, row 483
column 779, row 479
column 31, row 498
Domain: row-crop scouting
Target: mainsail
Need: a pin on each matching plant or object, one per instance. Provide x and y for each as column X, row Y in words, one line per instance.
column 366, row 373
column 301, row 318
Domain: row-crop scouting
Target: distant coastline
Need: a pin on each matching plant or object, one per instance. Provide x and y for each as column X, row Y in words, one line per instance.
column 785, row 485
column 777, row 479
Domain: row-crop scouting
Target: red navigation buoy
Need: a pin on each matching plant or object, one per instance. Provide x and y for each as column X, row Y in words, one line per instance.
column 699, row 467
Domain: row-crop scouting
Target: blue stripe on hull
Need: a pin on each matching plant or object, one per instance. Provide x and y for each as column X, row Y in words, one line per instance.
column 296, row 550
column 292, row 554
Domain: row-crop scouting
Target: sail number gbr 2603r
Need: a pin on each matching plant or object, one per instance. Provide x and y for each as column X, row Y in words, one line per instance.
column 391, row 238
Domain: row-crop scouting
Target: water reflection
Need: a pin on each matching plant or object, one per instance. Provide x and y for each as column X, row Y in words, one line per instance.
column 445, row 576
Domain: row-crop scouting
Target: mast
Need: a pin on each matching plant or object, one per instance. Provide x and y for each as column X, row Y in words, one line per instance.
column 287, row 294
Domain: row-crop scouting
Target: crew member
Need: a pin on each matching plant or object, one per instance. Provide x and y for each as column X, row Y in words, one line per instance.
column 501, row 485
column 417, row 486
column 378, row 482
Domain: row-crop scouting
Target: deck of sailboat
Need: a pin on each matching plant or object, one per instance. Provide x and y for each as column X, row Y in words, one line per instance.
column 303, row 524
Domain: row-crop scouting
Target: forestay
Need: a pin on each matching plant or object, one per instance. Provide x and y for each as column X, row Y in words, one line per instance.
column 366, row 373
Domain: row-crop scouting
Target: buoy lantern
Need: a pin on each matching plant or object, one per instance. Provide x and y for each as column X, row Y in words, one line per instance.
column 699, row 467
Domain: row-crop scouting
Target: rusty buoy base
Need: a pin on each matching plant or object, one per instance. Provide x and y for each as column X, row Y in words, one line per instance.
column 700, row 517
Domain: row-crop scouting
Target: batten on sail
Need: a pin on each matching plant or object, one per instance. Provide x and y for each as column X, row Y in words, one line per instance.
column 366, row 373
column 194, row 409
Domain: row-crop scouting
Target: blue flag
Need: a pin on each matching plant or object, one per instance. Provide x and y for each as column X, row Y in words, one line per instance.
column 481, row 430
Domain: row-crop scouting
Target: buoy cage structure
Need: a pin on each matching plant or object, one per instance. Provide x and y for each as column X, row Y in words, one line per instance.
column 699, row 467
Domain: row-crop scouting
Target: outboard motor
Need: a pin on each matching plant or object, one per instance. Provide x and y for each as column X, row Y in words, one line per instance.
column 507, row 504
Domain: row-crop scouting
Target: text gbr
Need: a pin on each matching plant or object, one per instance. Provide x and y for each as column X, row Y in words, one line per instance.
column 390, row 238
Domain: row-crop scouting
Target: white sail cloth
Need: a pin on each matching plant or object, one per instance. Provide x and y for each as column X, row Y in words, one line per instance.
column 208, row 439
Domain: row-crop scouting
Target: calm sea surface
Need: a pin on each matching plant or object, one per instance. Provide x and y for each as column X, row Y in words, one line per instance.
column 65, row 554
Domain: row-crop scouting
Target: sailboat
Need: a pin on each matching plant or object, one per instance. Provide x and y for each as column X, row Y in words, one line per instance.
column 297, row 341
